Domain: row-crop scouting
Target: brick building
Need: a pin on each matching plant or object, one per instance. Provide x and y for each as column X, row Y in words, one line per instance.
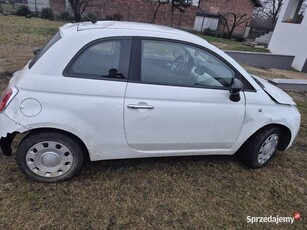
column 201, row 15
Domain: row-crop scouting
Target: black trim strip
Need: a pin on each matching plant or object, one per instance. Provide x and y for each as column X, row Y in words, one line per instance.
column 135, row 60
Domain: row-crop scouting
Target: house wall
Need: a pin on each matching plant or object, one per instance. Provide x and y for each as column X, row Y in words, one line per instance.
column 57, row 6
column 37, row 5
column 222, row 7
column 142, row 11
column 290, row 38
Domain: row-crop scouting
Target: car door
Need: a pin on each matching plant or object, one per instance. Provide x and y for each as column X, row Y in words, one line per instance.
column 178, row 100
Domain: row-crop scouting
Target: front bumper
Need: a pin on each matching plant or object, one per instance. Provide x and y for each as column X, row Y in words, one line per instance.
column 295, row 122
column 8, row 130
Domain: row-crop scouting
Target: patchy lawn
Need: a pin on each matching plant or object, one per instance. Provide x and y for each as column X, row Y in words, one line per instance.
column 164, row 193
column 227, row 44
column 274, row 73
column 19, row 36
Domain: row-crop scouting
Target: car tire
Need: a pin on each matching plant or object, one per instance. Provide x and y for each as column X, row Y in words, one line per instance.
column 261, row 147
column 49, row 156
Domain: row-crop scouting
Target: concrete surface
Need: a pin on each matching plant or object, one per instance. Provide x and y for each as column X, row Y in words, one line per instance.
column 262, row 59
column 297, row 84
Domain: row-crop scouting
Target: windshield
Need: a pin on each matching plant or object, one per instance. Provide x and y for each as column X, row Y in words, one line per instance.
column 50, row 43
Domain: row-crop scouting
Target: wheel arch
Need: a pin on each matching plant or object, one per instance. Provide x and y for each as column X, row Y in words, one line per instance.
column 284, row 139
column 55, row 130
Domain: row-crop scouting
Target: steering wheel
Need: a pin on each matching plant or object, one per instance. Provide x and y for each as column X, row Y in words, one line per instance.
column 176, row 66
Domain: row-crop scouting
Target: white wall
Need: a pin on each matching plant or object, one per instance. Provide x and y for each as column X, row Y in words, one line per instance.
column 290, row 38
column 38, row 5
column 202, row 23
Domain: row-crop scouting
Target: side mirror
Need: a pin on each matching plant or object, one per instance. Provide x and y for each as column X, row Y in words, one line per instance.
column 235, row 88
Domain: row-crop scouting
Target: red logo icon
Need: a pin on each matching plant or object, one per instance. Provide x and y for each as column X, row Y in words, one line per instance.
column 297, row 216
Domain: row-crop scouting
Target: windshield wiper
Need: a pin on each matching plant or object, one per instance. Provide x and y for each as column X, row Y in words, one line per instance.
column 258, row 82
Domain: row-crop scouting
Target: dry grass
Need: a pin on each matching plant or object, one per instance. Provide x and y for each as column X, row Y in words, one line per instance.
column 164, row 193
column 19, row 36
column 274, row 73
column 227, row 44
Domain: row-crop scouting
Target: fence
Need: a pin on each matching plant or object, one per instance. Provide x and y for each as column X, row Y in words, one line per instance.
column 10, row 7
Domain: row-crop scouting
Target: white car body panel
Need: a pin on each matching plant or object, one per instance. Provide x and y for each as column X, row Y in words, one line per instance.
column 79, row 113
column 261, row 111
column 183, row 118
column 279, row 95
column 96, row 110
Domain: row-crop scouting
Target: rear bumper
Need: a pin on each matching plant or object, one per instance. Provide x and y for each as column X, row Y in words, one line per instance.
column 8, row 129
column 6, row 144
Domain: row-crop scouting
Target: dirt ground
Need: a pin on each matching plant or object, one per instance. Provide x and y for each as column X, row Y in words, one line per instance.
column 275, row 73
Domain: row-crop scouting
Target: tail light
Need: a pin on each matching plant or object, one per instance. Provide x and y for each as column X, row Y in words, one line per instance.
column 7, row 97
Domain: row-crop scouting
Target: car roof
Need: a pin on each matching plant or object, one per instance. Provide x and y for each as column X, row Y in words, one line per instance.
column 89, row 32
column 127, row 26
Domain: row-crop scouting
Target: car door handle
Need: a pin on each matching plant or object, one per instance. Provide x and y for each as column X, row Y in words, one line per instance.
column 140, row 106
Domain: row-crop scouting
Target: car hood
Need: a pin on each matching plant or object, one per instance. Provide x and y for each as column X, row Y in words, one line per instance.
column 276, row 93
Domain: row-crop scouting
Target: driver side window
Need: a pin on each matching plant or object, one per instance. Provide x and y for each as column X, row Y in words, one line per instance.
column 173, row 63
column 157, row 58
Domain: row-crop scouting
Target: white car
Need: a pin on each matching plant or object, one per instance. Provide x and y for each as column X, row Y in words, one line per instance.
column 114, row 90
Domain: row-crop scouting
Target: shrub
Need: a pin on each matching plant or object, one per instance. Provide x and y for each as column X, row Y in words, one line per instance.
column 115, row 17
column 47, row 13
column 23, row 11
column 91, row 17
column 65, row 15
column 239, row 38
column 209, row 32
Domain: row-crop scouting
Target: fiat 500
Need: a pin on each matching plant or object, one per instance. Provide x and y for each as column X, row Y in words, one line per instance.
column 114, row 90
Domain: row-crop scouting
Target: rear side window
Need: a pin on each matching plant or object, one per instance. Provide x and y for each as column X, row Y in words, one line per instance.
column 98, row 59
column 50, row 43
column 101, row 59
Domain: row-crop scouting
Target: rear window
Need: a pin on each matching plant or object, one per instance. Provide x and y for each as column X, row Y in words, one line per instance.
column 50, row 43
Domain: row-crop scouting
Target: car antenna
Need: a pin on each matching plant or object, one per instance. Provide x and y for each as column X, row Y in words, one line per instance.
column 92, row 20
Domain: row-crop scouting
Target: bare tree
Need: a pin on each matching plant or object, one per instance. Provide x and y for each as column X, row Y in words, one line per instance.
column 232, row 21
column 271, row 9
column 159, row 4
column 181, row 6
column 78, row 7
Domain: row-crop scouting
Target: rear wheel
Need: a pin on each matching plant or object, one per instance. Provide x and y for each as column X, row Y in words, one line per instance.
column 49, row 156
column 261, row 147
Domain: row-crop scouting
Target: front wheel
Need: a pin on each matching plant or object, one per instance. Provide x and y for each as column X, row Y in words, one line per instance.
column 261, row 147
column 49, row 156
